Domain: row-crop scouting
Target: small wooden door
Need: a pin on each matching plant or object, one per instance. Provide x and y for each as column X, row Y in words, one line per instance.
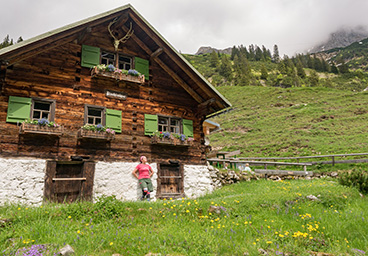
column 68, row 181
column 170, row 182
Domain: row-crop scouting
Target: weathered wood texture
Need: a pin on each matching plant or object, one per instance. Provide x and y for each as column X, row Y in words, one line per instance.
column 69, row 181
column 170, row 182
column 56, row 74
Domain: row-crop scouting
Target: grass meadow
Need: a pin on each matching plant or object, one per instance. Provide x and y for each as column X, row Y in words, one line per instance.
column 254, row 217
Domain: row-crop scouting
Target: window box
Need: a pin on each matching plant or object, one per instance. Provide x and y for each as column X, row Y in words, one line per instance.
column 170, row 141
column 27, row 128
column 98, row 135
column 117, row 75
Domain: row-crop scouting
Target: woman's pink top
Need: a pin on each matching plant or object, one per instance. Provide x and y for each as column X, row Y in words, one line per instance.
column 143, row 170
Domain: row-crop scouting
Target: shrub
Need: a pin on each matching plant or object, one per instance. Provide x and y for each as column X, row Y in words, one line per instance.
column 355, row 178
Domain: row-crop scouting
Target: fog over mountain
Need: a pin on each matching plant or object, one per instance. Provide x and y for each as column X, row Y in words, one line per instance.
column 341, row 38
column 294, row 25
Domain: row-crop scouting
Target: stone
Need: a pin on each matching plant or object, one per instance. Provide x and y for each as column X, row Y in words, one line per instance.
column 67, row 250
column 334, row 174
column 312, row 198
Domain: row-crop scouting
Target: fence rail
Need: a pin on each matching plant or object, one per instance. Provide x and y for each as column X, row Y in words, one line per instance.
column 236, row 162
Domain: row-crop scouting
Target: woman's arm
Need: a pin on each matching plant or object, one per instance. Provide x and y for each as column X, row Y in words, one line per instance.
column 151, row 171
column 135, row 173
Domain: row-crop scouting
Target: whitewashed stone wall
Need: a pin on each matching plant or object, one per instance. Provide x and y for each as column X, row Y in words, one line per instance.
column 115, row 178
column 22, row 181
column 197, row 181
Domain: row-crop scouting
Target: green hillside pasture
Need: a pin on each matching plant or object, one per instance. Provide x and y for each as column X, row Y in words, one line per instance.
column 292, row 122
column 273, row 216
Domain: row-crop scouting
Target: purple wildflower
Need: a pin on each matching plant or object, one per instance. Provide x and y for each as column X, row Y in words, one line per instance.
column 111, row 68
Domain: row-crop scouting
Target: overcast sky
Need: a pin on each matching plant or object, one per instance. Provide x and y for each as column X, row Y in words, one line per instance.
column 294, row 25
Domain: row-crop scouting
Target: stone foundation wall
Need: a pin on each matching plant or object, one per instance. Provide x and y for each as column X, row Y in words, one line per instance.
column 115, row 178
column 197, row 181
column 22, row 181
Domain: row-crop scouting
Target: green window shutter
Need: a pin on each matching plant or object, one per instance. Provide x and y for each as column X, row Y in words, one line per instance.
column 142, row 66
column 90, row 56
column 19, row 109
column 188, row 128
column 113, row 120
column 150, row 124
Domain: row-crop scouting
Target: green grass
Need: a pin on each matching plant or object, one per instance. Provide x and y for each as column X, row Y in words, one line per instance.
column 268, row 121
column 274, row 216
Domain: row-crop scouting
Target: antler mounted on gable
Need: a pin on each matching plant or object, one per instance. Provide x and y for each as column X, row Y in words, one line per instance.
column 124, row 38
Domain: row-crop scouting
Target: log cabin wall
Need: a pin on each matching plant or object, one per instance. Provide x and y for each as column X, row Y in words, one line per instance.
column 57, row 74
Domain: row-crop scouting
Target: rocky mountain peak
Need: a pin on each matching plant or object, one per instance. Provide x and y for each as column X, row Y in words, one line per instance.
column 209, row 49
column 341, row 38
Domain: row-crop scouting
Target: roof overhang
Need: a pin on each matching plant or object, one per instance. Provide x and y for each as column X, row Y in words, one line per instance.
column 156, row 47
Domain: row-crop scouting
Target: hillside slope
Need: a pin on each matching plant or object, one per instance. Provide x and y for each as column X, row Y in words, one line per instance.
column 269, row 121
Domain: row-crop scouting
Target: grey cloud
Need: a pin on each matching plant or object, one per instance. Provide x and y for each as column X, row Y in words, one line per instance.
column 294, row 25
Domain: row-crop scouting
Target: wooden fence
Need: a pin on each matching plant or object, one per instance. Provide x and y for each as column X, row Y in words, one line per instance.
column 236, row 162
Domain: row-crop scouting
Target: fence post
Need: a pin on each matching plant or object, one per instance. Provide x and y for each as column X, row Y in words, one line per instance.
column 333, row 160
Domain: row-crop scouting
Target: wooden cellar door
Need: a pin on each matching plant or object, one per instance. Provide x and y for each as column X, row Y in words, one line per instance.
column 170, row 182
column 68, row 181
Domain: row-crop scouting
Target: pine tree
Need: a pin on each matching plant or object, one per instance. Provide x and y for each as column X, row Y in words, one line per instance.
column 252, row 52
column 225, row 67
column 234, row 52
column 264, row 73
column 275, row 56
column 313, row 78
column 300, row 69
column 214, row 59
column 258, row 54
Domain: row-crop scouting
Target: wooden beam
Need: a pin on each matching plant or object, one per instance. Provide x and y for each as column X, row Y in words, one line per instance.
column 157, row 53
column 39, row 50
column 177, row 60
column 180, row 81
column 17, row 55
column 207, row 103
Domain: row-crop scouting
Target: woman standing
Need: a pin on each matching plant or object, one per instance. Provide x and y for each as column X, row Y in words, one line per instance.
column 144, row 175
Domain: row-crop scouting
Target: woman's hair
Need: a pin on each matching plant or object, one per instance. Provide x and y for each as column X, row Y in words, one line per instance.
column 140, row 159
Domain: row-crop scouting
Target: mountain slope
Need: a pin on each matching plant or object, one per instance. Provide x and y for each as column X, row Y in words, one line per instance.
column 268, row 121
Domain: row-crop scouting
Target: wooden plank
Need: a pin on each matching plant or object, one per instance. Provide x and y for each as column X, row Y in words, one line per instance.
column 68, row 179
column 283, row 172
column 89, row 174
column 48, row 195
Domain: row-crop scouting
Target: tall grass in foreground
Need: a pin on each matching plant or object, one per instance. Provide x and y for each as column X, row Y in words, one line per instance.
column 275, row 216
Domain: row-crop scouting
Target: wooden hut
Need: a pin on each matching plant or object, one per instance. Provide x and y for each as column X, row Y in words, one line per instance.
column 80, row 104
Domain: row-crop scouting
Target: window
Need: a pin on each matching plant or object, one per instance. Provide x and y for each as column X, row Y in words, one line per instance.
column 118, row 60
column 92, row 56
column 153, row 123
column 94, row 115
column 21, row 109
column 109, row 118
column 42, row 110
column 169, row 124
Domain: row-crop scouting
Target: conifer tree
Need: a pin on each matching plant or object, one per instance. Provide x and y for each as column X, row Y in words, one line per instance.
column 244, row 51
column 225, row 67
column 275, row 56
column 258, row 54
column 214, row 59
column 252, row 52
column 234, row 52
column 264, row 73
column 313, row 78
column 300, row 69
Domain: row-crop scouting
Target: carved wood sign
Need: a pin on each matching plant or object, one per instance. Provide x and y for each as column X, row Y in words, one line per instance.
column 115, row 95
